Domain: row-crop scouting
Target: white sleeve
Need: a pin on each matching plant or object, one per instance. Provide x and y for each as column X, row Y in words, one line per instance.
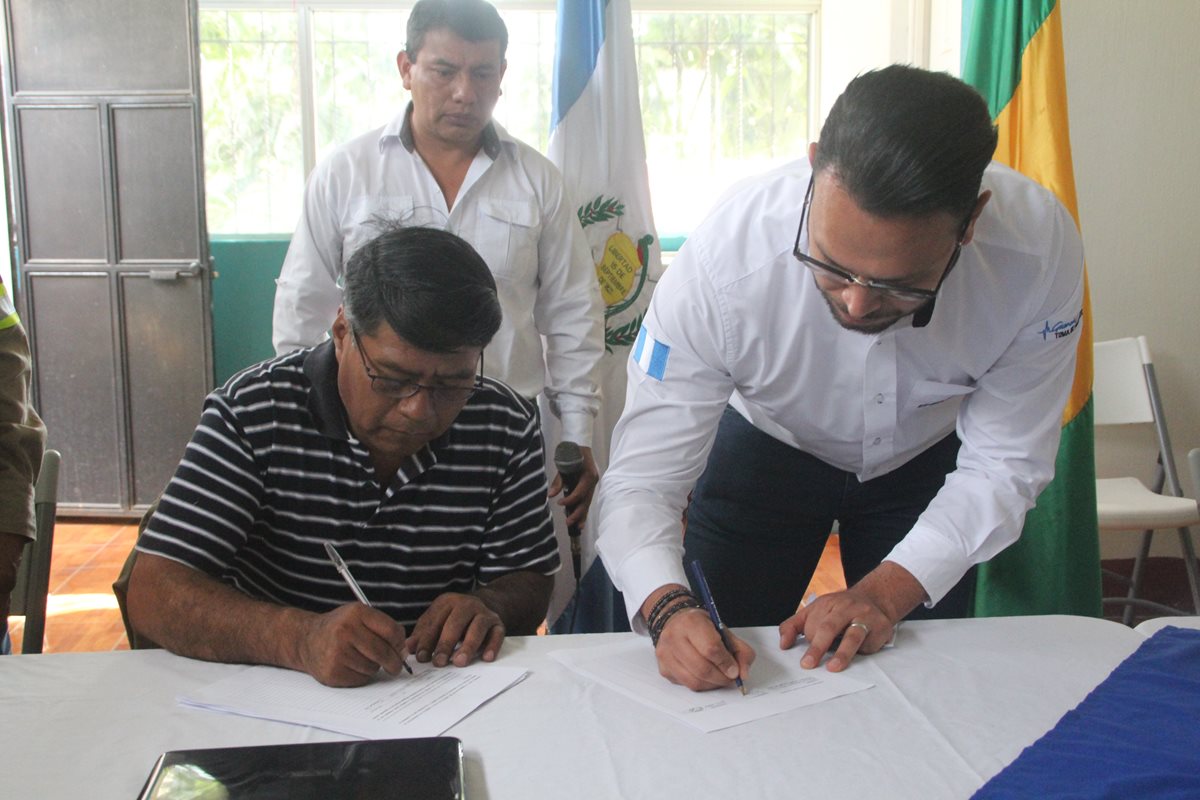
column 569, row 313
column 1009, row 428
column 306, row 294
column 679, row 385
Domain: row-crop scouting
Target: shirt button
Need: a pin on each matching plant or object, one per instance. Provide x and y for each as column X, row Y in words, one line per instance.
column 879, row 398
column 877, row 440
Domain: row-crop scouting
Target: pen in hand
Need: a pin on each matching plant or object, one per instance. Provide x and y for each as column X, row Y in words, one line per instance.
column 710, row 605
column 344, row 571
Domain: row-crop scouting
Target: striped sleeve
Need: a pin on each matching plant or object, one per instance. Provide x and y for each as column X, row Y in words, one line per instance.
column 208, row 508
column 520, row 534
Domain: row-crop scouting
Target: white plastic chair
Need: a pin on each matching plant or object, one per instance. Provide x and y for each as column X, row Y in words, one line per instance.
column 1126, row 392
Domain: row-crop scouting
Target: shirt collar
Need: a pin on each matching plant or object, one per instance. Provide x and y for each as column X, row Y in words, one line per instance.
column 400, row 129
column 324, row 401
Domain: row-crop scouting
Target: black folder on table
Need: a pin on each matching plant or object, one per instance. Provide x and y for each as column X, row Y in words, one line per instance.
column 412, row 769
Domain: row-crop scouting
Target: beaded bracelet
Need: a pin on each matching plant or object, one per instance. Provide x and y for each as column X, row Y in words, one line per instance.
column 662, row 603
column 662, row 621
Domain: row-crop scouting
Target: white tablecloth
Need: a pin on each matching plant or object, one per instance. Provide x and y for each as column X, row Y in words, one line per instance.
column 953, row 703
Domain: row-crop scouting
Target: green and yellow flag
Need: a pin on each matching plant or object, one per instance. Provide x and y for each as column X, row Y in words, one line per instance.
column 1014, row 57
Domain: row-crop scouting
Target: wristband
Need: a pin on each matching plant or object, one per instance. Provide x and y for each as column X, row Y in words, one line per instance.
column 662, row 603
column 665, row 617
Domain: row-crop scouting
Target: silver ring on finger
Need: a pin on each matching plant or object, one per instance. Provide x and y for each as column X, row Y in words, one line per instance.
column 866, row 629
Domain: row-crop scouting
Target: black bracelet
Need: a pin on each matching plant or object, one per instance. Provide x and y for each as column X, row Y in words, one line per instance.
column 665, row 617
column 659, row 619
column 662, row 603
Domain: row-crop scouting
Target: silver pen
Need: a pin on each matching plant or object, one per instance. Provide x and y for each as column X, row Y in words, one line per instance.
column 344, row 571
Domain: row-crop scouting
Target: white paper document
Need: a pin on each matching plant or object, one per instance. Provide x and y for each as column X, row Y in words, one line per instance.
column 776, row 683
column 425, row 703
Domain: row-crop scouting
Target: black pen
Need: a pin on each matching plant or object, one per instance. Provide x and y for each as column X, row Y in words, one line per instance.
column 344, row 571
column 711, row 605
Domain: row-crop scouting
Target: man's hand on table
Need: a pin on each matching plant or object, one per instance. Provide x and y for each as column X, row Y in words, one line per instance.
column 349, row 645
column 864, row 616
column 456, row 629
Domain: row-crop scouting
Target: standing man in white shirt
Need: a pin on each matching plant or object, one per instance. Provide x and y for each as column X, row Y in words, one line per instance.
column 794, row 370
column 444, row 162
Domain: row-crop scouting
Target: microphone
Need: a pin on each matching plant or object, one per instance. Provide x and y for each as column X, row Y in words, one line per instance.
column 924, row 314
column 568, row 460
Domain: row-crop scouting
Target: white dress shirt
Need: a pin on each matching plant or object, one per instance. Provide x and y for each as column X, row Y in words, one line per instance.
column 511, row 208
column 737, row 319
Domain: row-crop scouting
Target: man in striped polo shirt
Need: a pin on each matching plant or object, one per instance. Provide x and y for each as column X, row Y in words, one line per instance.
column 427, row 477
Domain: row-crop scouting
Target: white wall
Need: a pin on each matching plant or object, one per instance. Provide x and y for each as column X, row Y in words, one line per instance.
column 1132, row 69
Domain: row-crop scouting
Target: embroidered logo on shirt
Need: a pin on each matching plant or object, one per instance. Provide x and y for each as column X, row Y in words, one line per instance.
column 651, row 355
column 1062, row 329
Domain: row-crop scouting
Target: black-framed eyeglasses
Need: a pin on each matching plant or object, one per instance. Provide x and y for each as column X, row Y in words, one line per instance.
column 835, row 275
column 396, row 389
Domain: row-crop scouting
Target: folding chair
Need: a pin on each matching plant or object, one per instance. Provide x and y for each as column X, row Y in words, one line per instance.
column 1194, row 465
column 33, row 576
column 1126, row 392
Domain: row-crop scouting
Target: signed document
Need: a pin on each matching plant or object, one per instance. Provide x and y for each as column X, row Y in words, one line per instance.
column 776, row 683
column 423, row 704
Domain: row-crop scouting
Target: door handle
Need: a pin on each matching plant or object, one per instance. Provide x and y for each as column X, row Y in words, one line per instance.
column 175, row 273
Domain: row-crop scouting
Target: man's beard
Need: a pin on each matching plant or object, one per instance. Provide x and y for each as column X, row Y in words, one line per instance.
column 874, row 323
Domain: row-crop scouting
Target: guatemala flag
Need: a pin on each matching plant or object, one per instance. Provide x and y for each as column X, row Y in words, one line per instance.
column 597, row 142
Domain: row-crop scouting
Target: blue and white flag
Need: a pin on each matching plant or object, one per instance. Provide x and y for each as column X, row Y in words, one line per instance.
column 651, row 355
column 596, row 140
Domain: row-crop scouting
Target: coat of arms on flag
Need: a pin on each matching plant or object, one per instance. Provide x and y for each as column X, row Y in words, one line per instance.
column 621, row 271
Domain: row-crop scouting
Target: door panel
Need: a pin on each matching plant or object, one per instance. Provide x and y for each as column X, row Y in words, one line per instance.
column 156, row 148
column 61, row 157
column 75, row 381
column 164, row 394
column 100, row 46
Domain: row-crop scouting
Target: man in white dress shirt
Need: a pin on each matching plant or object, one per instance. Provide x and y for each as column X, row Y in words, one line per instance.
column 444, row 162
column 795, row 372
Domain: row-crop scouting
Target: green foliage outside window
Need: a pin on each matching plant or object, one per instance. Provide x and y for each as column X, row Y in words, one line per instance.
column 253, row 160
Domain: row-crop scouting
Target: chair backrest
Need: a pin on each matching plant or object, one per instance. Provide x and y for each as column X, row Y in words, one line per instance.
column 1125, row 391
column 120, row 587
column 33, row 578
column 1119, row 393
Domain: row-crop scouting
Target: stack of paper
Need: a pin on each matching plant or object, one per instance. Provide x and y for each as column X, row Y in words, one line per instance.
column 776, row 683
column 423, row 704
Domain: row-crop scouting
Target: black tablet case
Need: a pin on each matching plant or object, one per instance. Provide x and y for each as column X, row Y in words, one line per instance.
column 412, row 769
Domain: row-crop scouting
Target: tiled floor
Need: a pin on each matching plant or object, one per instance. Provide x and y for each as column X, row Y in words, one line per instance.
column 82, row 613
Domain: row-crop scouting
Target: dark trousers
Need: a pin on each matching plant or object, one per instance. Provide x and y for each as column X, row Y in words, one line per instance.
column 762, row 511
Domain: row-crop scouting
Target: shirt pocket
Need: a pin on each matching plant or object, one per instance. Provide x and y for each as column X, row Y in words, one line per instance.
column 507, row 237
column 368, row 215
column 927, row 396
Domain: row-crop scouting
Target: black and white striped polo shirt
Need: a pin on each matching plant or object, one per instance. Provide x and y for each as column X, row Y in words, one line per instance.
column 272, row 472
